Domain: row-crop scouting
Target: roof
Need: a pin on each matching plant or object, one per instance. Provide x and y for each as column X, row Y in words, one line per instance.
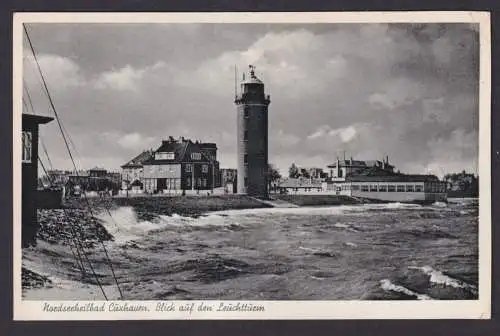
column 36, row 119
column 97, row 169
column 80, row 174
column 138, row 160
column 392, row 178
column 359, row 163
column 207, row 145
column 182, row 150
column 300, row 183
column 252, row 79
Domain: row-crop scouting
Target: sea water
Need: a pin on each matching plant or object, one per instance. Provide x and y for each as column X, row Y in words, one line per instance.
column 360, row 252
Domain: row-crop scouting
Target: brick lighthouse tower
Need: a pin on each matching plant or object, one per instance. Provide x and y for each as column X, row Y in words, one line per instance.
column 252, row 107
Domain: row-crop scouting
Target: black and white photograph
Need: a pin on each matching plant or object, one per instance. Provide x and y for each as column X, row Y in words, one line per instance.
column 232, row 162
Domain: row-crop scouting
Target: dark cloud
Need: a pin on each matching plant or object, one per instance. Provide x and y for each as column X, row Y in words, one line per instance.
column 405, row 90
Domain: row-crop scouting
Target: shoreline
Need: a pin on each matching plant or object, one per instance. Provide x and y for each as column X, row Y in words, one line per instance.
column 195, row 206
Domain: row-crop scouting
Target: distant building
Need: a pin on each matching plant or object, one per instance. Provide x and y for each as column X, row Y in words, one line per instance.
column 30, row 125
column 95, row 179
column 342, row 168
column 252, row 141
column 300, row 185
column 114, row 177
column 371, row 179
column 315, row 173
column 55, row 178
column 228, row 175
column 97, row 172
column 80, row 178
column 462, row 184
column 179, row 165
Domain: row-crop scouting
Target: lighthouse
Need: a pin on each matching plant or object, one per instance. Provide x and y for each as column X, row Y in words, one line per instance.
column 252, row 128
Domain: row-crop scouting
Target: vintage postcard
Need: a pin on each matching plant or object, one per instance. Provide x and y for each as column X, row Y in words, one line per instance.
column 252, row 166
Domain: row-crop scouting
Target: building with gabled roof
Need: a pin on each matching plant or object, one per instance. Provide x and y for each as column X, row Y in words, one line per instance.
column 181, row 164
column 133, row 170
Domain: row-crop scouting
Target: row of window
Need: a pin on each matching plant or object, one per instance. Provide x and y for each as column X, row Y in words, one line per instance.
column 388, row 188
column 171, row 155
column 165, row 156
column 199, row 182
column 173, row 183
column 189, row 168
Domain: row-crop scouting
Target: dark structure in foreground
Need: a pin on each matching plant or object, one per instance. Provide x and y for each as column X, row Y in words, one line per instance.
column 30, row 175
column 252, row 128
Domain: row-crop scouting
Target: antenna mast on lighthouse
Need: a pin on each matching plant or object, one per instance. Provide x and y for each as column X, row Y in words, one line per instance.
column 235, row 82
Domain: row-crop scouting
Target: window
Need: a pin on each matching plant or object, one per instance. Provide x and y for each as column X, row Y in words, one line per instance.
column 245, row 113
column 27, row 143
column 245, row 135
column 364, row 188
column 188, row 182
column 340, row 172
column 355, row 187
column 410, row 188
column 373, row 187
column 189, row 168
column 400, row 188
column 382, row 188
column 165, row 156
column 196, row 156
column 204, row 182
column 418, row 188
column 391, row 188
column 245, row 158
column 442, row 188
column 204, row 168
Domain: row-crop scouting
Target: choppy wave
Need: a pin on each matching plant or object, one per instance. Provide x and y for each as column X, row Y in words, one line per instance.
column 323, row 210
column 124, row 225
column 439, row 278
column 387, row 285
column 282, row 253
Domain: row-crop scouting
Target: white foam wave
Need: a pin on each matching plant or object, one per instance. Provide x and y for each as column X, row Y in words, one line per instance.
column 351, row 244
column 318, row 210
column 397, row 205
column 309, row 249
column 124, row 226
column 387, row 285
column 440, row 204
column 439, row 278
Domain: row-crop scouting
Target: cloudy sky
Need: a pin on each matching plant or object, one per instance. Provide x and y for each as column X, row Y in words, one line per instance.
column 407, row 91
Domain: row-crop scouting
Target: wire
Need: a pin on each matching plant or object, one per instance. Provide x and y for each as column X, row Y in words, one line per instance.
column 69, row 152
column 79, row 244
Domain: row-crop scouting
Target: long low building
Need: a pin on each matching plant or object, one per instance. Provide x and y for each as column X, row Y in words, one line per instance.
column 397, row 188
column 370, row 180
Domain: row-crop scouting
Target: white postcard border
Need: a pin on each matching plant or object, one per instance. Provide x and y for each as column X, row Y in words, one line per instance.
column 475, row 309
